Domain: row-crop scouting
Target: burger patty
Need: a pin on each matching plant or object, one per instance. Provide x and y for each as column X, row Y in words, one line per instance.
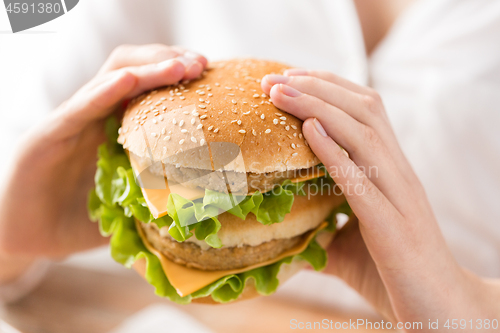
column 216, row 180
column 191, row 255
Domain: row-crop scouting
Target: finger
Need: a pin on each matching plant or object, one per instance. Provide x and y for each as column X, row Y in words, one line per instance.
column 351, row 102
column 98, row 100
column 380, row 220
column 135, row 56
column 139, row 55
column 366, row 109
column 330, row 77
column 362, row 143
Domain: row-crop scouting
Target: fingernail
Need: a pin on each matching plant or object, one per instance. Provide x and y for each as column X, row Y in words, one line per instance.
column 296, row 71
column 185, row 60
column 289, row 91
column 275, row 79
column 319, row 128
column 192, row 55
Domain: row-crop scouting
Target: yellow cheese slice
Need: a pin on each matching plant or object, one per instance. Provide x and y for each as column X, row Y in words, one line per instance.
column 156, row 190
column 188, row 280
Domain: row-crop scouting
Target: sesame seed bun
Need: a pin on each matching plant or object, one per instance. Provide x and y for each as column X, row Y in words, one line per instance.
column 225, row 105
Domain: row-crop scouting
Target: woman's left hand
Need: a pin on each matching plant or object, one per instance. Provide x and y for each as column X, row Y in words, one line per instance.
column 397, row 258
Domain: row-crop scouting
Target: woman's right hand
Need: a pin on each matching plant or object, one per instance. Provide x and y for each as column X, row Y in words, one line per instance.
column 43, row 205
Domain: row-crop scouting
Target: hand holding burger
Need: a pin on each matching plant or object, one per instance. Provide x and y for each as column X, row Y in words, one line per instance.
column 43, row 198
column 396, row 256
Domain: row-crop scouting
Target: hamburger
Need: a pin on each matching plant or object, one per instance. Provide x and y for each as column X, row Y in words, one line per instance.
column 210, row 192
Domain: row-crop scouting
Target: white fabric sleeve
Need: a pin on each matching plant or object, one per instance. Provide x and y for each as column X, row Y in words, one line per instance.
column 24, row 284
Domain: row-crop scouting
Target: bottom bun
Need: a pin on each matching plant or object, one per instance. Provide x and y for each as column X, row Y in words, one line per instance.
column 287, row 271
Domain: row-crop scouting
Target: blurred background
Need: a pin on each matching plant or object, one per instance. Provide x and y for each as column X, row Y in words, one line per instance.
column 436, row 64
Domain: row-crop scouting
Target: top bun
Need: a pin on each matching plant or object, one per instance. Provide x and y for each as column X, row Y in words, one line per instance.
column 226, row 104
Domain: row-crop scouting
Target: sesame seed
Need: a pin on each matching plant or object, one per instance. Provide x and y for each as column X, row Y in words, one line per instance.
column 217, row 84
column 174, row 121
column 278, row 114
column 295, row 154
column 201, row 106
column 305, row 142
column 136, row 128
column 234, row 101
column 200, row 126
column 181, row 141
column 283, row 118
column 179, row 94
column 289, row 136
column 202, row 142
column 161, row 118
column 155, row 122
column 210, row 128
column 233, row 121
column 228, row 88
column 142, row 103
column 201, row 93
column 255, row 106
column 242, row 131
column 144, row 117
column 245, row 113
column 153, row 134
column 256, row 96
column 201, row 86
column 282, row 123
column 295, row 134
column 193, row 139
column 209, row 88
column 203, row 117
column 216, row 130
column 163, row 131
column 254, row 132
column 263, row 95
column 194, row 113
column 245, row 102
column 242, row 89
column 294, row 127
column 193, row 120
column 201, row 100
column 262, row 116
column 171, row 93
column 162, row 99
column 287, row 128
column 181, row 123
column 293, row 145
column 230, row 94
column 300, row 135
column 275, row 121
column 184, row 130
column 268, row 131
column 182, row 97
column 239, row 122
column 171, row 98
column 149, row 102
column 166, row 138
column 185, row 112
column 158, row 103
column 210, row 95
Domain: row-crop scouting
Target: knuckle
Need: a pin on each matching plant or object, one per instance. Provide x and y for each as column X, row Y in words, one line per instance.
column 371, row 104
column 371, row 137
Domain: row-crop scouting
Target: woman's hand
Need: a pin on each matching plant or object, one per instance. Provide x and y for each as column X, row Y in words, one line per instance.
column 43, row 205
column 396, row 257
